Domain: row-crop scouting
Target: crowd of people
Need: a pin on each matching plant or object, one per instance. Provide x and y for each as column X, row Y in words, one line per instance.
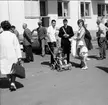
column 78, row 44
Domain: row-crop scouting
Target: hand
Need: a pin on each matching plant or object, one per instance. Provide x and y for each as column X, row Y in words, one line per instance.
column 20, row 61
column 66, row 35
column 32, row 41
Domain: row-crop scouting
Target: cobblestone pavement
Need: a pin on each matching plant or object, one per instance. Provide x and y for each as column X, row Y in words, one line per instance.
column 43, row 86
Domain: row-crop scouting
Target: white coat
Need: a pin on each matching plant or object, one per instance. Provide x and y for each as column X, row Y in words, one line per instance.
column 9, row 51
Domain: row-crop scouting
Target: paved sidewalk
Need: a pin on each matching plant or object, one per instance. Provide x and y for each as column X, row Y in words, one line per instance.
column 43, row 86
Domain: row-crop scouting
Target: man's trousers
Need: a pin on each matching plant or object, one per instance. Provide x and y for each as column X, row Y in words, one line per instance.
column 102, row 47
column 28, row 53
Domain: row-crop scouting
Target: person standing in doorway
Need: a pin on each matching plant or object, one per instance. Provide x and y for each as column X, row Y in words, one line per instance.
column 42, row 33
column 28, row 43
column 65, row 33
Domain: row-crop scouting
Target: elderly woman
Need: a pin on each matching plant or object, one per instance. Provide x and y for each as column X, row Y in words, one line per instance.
column 9, row 52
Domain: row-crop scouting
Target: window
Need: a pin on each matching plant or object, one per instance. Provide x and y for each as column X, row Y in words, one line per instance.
column 102, row 9
column 31, row 8
column 85, row 9
column 43, row 8
column 63, row 8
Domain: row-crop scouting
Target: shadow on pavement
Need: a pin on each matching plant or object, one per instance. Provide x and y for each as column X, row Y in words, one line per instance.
column 93, row 56
column 75, row 64
column 4, row 83
column 25, row 60
column 45, row 63
column 103, row 68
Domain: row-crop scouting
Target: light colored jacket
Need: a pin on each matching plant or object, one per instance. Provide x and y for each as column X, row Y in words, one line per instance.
column 9, row 51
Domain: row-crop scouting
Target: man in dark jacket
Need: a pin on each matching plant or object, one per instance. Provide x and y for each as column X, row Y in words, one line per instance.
column 65, row 33
column 28, row 43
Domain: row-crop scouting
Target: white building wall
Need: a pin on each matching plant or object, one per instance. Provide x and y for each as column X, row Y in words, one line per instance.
column 32, row 22
column 4, row 13
column 73, row 15
column 91, row 21
column 14, row 11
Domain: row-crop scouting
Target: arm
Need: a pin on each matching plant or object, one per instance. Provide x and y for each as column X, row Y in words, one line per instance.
column 81, row 34
column 61, row 33
column 33, row 30
column 48, row 33
column 45, row 32
column 27, row 35
column 71, row 33
column 17, row 47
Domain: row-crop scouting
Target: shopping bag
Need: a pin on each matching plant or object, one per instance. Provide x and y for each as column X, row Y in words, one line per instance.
column 18, row 70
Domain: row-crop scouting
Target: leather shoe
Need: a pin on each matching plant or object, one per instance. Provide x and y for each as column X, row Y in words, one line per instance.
column 100, row 58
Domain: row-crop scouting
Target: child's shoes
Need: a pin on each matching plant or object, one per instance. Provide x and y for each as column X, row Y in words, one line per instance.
column 84, row 68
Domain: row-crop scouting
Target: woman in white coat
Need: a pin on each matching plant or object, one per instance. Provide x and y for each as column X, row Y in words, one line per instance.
column 9, row 52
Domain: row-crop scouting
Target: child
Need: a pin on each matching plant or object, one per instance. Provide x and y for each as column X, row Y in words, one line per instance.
column 61, row 58
column 83, row 54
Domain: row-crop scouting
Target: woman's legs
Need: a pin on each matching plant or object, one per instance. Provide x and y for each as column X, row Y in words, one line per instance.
column 84, row 62
column 13, row 77
column 12, row 85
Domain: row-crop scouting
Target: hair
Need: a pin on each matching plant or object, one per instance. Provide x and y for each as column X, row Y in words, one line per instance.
column 53, row 21
column 40, row 23
column 13, row 26
column 65, row 20
column 24, row 25
column 5, row 25
column 81, row 21
column 99, row 20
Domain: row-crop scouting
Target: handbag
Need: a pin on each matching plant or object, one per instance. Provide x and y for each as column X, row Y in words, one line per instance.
column 18, row 70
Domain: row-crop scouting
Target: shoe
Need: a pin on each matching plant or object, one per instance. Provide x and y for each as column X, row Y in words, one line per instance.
column 31, row 60
column 100, row 58
column 43, row 55
column 88, row 59
column 104, row 57
column 12, row 87
column 26, row 60
column 84, row 68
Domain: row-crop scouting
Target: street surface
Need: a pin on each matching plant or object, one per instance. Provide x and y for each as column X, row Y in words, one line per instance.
column 44, row 86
